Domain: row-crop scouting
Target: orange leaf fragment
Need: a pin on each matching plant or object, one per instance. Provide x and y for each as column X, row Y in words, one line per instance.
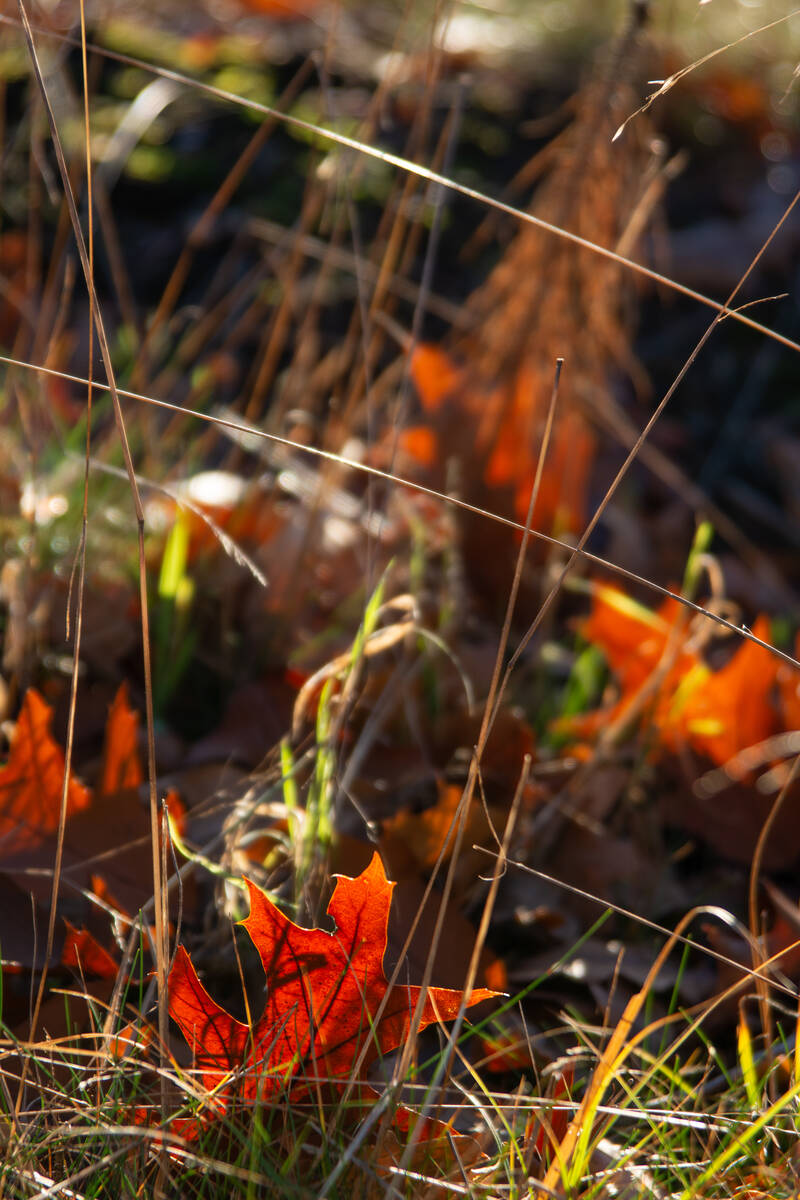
column 632, row 637
column 83, row 952
column 563, row 491
column 32, row 780
column 505, row 1051
column 421, row 443
column 282, row 10
column 101, row 889
column 122, row 767
column 731, row 709
column 546, row 1130
column 178, row 812
column 429, row 833
column 413, row 841
column 131, row 1039
column 324, row 991
column 715, row 713
column 434, row 375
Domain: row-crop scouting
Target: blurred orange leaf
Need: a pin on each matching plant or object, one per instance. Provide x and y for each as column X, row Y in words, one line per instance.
column 715, row 713
column 421, row 443
column 282, row 10
column 562, row 499
column 32, row 779
column 426, row 834
column 434, row 375
column 632, row 637
column 505, row 1051
column 131, row 1039
column 495, row 429
column 731, row 708
column 122, row 767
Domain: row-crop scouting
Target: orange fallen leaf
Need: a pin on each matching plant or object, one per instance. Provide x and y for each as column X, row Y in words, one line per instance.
column 434, row 375
column 505, row 1050
column 101, row 890
column 732, row 708
column 563, row 489
column 633, row 639
column 429, row 833
column 411, row 842
column 421, row 443
column 282, row 10
column 324, row 991
column 632, row 636
column 509, row 411
column 83, row 952
column 131, row 1039
column 32, row 780
column 122, row 767
column 494, row 429
column 715, row 713
column 177, row 810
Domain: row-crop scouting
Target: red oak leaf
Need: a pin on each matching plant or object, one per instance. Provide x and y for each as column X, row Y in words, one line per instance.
column 324, row 992
column 32, row 779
